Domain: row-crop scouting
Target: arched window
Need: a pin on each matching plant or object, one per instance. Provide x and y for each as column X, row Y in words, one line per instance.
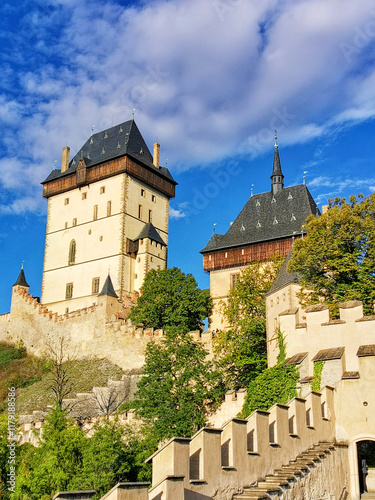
column 72, row 252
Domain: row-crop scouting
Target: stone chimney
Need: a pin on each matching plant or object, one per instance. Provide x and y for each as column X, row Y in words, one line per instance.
column 65, row 159
column 156, row 154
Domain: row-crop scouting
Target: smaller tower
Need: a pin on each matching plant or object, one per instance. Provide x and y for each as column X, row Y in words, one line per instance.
column 20, row 287
column 277, row 177
column 21, row 281
column 108, row 298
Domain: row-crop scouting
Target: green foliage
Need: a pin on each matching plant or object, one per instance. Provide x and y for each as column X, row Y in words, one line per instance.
column 9, row 352
column 177, row 387
column 277, row 384
column 242, row 351
column 317, row 377
column 50, row 467
column 169, row 299
column 336, row 260
column 67, row 460
column 281, row 345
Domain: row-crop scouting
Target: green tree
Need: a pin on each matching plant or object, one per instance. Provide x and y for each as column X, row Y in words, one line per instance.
column 178, row 386
column 50, row 467
column 242, row 350
column 336, row 260
column 171, row 298
column 108, row 457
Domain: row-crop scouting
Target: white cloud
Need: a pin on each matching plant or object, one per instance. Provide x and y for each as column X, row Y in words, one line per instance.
column 214, row 82
column 176, row 213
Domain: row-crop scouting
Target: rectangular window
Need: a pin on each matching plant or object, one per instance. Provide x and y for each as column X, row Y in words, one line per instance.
column 153, row 197
column 102, row 190
column 95, row 216
column 109, row 208
column 139, row 211
column 150, row 216
column 66, row 201
column 95, row 285
column 69, row 291
column 84, row 196
column 234, row 279
column 143, row 193
column 74, row 222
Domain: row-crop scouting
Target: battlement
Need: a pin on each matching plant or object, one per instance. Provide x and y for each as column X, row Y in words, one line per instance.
column 313, row 330
column 5, row 318
column 223, row 461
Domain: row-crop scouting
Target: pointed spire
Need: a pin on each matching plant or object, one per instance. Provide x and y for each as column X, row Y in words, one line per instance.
column 277, row 177
column 108, row 288
column 21, row 280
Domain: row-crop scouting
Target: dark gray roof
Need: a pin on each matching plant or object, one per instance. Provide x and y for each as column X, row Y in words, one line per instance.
column 267, row 216
column 276, row 164
column 284, row 277
column 114, row 142
column 108, row 288
column 21, row 280
column 149, row 231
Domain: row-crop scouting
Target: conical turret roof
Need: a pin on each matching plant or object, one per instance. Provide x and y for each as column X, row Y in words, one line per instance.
column 21, row 280
column 108, row 288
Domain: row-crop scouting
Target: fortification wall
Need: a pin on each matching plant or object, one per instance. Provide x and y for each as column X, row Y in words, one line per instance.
column 319, row 332
column 87, row 332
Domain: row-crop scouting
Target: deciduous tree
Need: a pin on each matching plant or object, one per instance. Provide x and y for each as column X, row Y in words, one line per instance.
column 171, row 298
column 242, row 351
column 178, row 386
column 336, row 260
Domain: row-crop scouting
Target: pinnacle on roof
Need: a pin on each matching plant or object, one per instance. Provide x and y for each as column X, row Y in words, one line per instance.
column 21, row 280
column 277, row 177
column 108, row 288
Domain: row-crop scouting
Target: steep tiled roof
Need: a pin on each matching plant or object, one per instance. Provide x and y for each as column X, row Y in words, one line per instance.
column 21, row 280
column 149, row 231
column 296, row 359
column 284, row 277
column 114, row 142
column 108, row 288
column 267, row 216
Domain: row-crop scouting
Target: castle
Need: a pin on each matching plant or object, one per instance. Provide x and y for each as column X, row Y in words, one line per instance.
column 267, row 225
column 108, row 208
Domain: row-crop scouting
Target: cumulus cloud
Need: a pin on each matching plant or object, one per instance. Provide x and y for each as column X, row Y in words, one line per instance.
column 213, row 83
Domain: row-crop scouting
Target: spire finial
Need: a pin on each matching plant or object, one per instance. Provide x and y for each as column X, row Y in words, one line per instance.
column 92, row 130
column 213, row 229
column 276, row 138
column 252, row 189
column 22, row 264
column 304, row 176
column 133, row 112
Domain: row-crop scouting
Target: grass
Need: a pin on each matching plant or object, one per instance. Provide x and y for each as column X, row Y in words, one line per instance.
column 32, row 379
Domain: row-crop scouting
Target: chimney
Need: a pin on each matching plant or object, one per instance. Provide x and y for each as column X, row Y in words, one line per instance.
column 156, row 154
column 65, row 159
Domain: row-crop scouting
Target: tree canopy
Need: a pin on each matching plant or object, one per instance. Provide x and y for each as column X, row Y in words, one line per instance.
column 336, row 259
column 178, row 386
column 170, row 298
column 242, row 350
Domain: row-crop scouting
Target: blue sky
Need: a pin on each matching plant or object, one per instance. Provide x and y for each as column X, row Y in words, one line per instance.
column 209, row 79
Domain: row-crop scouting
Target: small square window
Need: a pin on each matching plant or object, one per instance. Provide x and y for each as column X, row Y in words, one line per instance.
column 84, row 196
column 66, row 201
column 102, row 190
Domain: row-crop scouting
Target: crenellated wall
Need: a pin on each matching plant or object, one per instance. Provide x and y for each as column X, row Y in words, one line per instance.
column 218, row 463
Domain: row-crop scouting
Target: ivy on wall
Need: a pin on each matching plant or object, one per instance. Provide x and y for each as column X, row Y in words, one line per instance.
column 317, row 377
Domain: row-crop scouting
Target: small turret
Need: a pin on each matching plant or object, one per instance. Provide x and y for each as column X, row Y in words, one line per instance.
column 277, row 177
column 21, row 280
column 108, row 299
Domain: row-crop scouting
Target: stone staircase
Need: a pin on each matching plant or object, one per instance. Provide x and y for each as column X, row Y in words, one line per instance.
column 274, row 485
